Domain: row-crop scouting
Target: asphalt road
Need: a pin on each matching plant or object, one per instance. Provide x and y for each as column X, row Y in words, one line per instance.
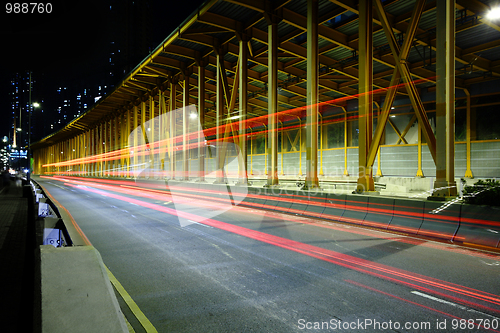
column 247, row 270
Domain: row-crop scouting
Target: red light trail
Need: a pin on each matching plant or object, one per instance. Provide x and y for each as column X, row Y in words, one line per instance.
column 458, row 293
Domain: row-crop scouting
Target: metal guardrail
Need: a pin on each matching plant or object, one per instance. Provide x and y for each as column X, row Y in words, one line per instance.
column 56, row 221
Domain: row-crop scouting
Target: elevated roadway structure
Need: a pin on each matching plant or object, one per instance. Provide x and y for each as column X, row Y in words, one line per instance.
column 307, row 91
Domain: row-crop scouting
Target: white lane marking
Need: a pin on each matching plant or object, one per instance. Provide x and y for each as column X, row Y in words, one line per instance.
column 461, row 307
column 496, row 263
column 64, row 188
column 200, row 224
column 439, row 300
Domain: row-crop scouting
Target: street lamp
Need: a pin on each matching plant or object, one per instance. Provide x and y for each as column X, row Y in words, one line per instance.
column 28, row 153
column 493, row 14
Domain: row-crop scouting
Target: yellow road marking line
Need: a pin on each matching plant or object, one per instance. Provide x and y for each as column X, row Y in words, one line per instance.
column 167, row 202
column 131, row 304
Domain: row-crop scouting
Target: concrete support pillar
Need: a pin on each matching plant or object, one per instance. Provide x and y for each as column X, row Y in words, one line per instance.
column 365, row 121
column 445, row 100
column 272, row 100
column 312, row 96
column 201, row 117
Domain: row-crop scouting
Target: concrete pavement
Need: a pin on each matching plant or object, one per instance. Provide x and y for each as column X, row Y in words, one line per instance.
column 16, row 260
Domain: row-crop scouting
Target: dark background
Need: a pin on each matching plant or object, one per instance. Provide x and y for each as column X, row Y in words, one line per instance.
column 71, row 45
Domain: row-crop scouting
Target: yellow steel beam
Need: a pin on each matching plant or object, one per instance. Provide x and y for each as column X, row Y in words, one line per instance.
column 407, row 128
column 365, row 120
column 395, row 128
column 312, row 124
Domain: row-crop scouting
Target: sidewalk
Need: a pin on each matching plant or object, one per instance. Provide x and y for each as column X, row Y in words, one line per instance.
column 17, row 264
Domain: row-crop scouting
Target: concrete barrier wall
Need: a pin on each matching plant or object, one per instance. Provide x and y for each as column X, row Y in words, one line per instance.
column 452, row 222
column 408, row 216
column 440, row 221
column 334, row 207
column 355, row 209
column 317, row 204
column 479, row 225
column 380, row 212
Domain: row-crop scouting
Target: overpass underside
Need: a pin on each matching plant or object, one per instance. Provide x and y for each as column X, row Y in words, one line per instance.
column 311, row 91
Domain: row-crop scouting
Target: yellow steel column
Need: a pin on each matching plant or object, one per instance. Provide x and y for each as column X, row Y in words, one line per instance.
column 98, row 150
column 152, row 137
column 299, row 133
column 346, row 172
column 93, row 151
column 123, row 145
column 243, row 104
column 76, row 155
column 365, row 180
column 59, row 152
column 88, row 165
column 83, row 155
column 322, row 137
column 251, row 155
column 468, row 171
column 420, row 173
column 201, row 123
column 185, row 127
column 143, row 152
column 106, row 147
column 163, row 131
column 135, row 148
column 172, row 129
column 219, row 105
column 379, row 170
column 272, row 100
column 312, row 96
column 445, row 100
column 282, row 172
column 101, row 149
column 130, row 145
column 116, row 145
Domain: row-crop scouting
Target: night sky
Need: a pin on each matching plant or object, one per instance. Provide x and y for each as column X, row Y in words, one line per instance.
column 68, row 44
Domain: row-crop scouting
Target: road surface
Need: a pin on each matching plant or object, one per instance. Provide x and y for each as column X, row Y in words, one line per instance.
column 248, row 270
